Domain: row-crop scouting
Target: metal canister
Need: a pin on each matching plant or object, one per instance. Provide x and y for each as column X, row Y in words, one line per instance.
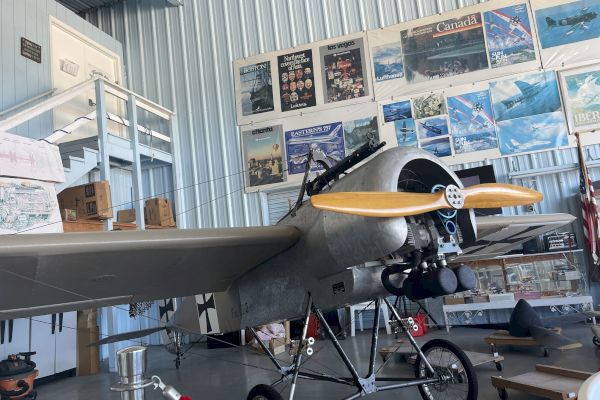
column 131, row 366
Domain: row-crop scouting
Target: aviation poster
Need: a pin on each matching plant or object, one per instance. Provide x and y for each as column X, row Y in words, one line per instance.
column 296, row 80
column 406, row 133
column 508, row 35
column 568, row 31
column 432, row 127
column 263, row 155
column 399, row 115
column 396, row 111
column 528, row 113
column 581, row 91
column 444, row 49
column 429, row 105
column 438, row 147
column 256, row 89
column 344, row 71
column 328, row 138
column 358, row 132
column 472, row 123
column 387, row 62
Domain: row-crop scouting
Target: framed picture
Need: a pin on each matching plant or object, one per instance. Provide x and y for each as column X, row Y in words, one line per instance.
column 581, row 94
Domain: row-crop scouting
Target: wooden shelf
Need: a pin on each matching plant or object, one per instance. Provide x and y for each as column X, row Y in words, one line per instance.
column 91, row 225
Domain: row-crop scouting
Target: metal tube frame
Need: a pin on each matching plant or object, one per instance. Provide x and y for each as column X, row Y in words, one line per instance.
column 365, row 385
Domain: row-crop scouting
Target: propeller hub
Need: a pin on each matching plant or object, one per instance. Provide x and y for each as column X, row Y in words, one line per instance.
column 454, row 197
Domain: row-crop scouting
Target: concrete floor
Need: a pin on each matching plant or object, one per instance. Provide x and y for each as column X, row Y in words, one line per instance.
column 219, row 373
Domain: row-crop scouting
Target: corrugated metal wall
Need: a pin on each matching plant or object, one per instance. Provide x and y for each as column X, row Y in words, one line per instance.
column 182, row 58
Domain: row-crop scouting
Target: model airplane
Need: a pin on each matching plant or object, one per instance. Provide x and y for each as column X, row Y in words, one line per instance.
column 359, row 237
column 577, row 21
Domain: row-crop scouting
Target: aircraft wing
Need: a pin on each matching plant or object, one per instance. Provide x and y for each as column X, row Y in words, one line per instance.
column 497, row 235
column 43, row 274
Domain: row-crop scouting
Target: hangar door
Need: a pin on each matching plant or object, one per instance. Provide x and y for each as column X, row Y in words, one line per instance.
column 74, row 59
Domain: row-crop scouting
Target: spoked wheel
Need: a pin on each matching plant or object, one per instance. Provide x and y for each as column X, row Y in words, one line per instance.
column 264, row 392
column 456, row 378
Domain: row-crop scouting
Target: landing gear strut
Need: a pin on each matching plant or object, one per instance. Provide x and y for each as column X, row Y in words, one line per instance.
column 442, row 369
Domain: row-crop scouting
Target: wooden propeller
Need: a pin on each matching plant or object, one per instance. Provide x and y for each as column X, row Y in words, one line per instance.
column 403, row 204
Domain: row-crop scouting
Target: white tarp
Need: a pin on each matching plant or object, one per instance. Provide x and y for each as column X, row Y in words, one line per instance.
column 21, row 157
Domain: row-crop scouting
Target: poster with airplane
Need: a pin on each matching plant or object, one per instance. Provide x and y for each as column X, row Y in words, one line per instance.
column 472, row 123
column 508, row 36
column 328, row 138
column 528, row 113
column 439, row 147
column 568, row 31
column 581, row 93
column 470, row 44
column 432, row 127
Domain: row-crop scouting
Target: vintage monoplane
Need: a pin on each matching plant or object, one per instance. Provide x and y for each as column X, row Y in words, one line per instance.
column 388, row 226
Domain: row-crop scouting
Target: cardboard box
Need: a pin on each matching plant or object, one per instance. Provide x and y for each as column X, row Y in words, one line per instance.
column 68, row 214
column 126, row 215
column 92, row 201
column 88, row 357
column 277, row 345
column 448, row 300
column 158, row 212
column 477, row 299
column 501, row 297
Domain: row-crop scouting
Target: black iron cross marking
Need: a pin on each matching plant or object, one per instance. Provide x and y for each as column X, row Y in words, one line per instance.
column 203, row 308
column 165, row 310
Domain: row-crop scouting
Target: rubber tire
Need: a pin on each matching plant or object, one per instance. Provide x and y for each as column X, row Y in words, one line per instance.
column 462, row 357
column 546, row 353
column 499, row 366
column 596, row 341
column 503, row 394
column 265, row 391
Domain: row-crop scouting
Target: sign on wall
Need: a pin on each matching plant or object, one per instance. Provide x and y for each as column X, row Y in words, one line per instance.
column 528, row 113
column 344, row 71
column 296, row 80
column 568, row 31
column 263, row 155
column 581, row 90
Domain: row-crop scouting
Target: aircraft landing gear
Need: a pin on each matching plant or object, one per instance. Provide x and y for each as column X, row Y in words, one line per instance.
column 264, row 392
column 442, row 369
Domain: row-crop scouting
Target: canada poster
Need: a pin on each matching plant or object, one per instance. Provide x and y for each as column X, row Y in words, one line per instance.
column 296, row 80
column 256, row 88
column 443, row 49
column 263, row 149
column 344, row 71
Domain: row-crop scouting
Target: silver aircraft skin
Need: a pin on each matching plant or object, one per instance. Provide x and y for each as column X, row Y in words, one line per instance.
column 258, row 274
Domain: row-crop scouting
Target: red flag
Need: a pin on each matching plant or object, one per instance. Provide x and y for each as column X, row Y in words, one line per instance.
column 589, row 208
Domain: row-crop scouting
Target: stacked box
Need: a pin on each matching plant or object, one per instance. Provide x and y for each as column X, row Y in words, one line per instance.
column 126, row 215
column 91, row 201
column 158, row 212
column 88, row 357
